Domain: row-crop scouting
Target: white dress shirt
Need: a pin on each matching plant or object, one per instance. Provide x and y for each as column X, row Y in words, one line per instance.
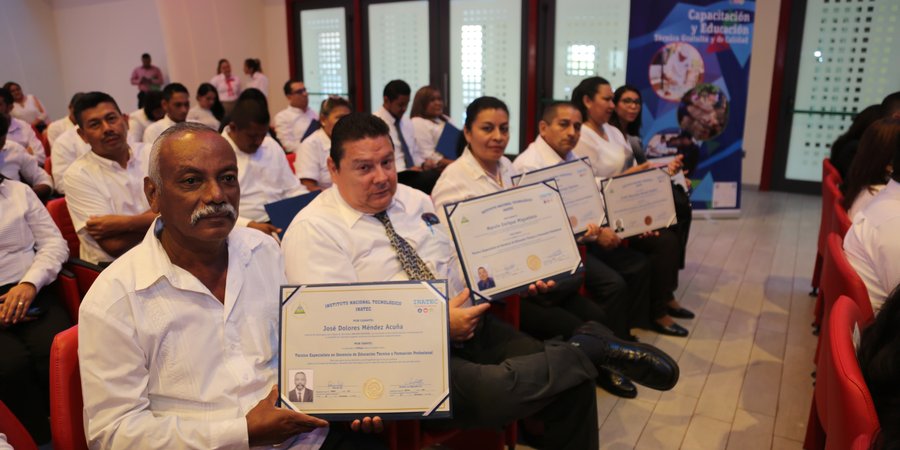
column 312, row 159
column 539, row 155
column 863, row 199
column 221, row 85
column 29, row 112
column 465, row 178
column 57, row 128
column 428, row 133
column 156, row 128
column 872, row 247
column 21, row 133
column 204, row 116
column 164, row 364
column 409, row 136
column 69, row 147
column 137, row 123
column 96, row 186
column 31, row 248
column 330, row 242
column 259, row 81
column 264, row 177
column 608, row 157
column 17, row 164
column 291, row 124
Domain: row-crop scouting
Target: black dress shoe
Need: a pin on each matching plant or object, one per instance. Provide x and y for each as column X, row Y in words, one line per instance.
column 644, row 364
column 681, row 313
column 616, row 384
column 671, row 330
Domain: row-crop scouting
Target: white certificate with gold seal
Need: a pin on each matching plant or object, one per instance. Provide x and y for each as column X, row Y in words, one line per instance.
column 347, row 351
column 510, row 239
column 639, row 202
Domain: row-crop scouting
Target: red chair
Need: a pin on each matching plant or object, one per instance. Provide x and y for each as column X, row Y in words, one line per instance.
column 48, row 167
column 67, row 289
column 840, row 223
column 830, row 192
column 291, row 157
column 843, row 410
column 59, row 212
column 16, row 434
column 839, row 278
column 829, row 169
column 44, row 142
column 66, row 404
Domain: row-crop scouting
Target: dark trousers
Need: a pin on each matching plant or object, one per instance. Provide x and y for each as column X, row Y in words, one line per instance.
column 25, row 364
column 342, row 438
column 664, row 253
column 685, row 215
column 502, row 375
column 620, row 280
column 547, row 318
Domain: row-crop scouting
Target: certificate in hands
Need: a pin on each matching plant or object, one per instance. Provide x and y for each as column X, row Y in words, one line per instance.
column 365, row 349
column 578, row 189
column 512, row 238
column 639, row 202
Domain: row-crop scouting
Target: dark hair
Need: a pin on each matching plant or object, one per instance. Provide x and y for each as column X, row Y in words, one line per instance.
column 551, row 110
column 287, row 86
column 172, row 88
column 477, row 106
column 587, row 88
column 332, row 102
column 861, row 121
column 152, row 102
column 421, row 100
column 10, row 84
column 633, row 128
column 4, row 124
column 218, row 111
column 891, row 104
column 75, row 98
column 253, row 64
column 249, row 111
column 6, row 96
column 219, row 65
column 876, row 149
column 879, row 362
column 145, row 55
column 396, row 88
column 91, row 100
column 354, row 127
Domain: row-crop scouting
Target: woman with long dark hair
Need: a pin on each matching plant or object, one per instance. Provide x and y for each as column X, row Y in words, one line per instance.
column 208, row 110
column 843, row 150
column 872, row 167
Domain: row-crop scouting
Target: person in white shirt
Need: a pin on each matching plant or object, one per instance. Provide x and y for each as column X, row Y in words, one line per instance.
column 428, row 119
column 104, row 187
column 871, row 167
column 141, row 118
column 58, row 127
column 176, row 340
column 68, row 148
column 258, row 80
column 499, row 375
column 20, row 131
column 311, row 165
column 292, row 122
column 208, row 110
column 32, row 252
column 264, row 172
column 176, row 102
column 26, row 107
column 228, row 85
column 17, row 164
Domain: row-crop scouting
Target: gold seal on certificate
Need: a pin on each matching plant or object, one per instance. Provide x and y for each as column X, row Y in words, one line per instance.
column 510, row 239
column 578, row 189
column 639, row 202
column 354, row 350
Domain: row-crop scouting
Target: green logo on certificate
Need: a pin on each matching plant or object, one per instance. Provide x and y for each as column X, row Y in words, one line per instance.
column 299, row 310
column 464, row 220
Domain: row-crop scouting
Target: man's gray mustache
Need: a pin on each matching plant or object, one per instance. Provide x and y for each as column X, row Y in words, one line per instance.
column 212, row 210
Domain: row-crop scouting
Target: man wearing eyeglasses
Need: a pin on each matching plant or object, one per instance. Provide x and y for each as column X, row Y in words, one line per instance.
column 292, row 122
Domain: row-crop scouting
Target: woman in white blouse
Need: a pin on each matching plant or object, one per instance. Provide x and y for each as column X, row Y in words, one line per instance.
column 32, row 252
column 428, row 119
column 140, row 119
column 611, row 155
column 311, row 165
column 208, row 110
column 871, row 167
column 26, row 107
column 258, row 80
column 228, row 85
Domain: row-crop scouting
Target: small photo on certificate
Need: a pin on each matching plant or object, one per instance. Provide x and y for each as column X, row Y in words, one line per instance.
column 510, row 239
column 639, row 202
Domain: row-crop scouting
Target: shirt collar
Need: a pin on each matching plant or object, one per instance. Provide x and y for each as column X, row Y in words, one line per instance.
column 549, row 155
column 475, row 171
column 351, row 216
column 110, row 163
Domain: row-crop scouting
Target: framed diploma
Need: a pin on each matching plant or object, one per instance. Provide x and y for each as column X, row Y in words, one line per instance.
column 510, row 239
column 639, row 202
column 354, row 350
column 578, row 189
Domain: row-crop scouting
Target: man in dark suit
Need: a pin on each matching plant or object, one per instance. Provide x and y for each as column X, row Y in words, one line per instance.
column 300, row 393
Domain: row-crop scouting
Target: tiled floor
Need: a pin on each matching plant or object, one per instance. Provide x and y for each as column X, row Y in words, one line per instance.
column 745, row 368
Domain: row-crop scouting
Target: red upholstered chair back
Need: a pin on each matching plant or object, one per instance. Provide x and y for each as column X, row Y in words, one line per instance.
column 16, row 434
column 48, row 166
column 66, row 404
column 829, row 169
column 43, row 138
column 67, row 290
column 831, row 195
column 841, row 221
column 839, row 278
column 851, row 410
column 59, row 212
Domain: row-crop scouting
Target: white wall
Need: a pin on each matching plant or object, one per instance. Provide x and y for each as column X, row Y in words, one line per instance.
column 765, row 34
